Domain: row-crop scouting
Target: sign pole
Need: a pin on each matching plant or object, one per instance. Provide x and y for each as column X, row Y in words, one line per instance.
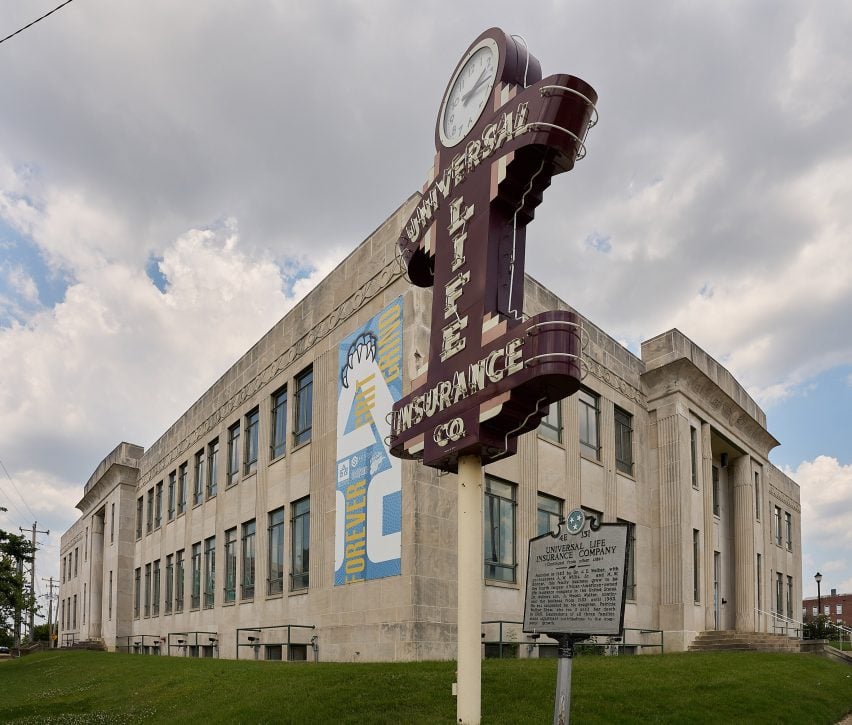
column 562, row 699
column 469, row 690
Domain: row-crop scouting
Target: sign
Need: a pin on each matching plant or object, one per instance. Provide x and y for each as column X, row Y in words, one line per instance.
column 368, row 508
column 576, row 579
column 502, row 133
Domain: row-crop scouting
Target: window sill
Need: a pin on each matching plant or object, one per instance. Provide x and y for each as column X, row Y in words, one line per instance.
column 277, row 595
column 588, row 457
column 276, row 459
column 300, row 446
column 558, row 444
column 297, row 592
column 625, row 474
column 229, row 604
column 501, row 584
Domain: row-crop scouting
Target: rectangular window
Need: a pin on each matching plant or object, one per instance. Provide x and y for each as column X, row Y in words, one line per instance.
column 212, row 468
column 63, row 569
column 279, row 422
column 716, row 502
column 551, row 424
column 150, row 501
column 788, row 521
column 198, row 483
column 158, row 505
column 779, row 592
column 757, row 504
column 155, row 590
column 140, row 507
column 759, row 582
column 589, row 417
column 623, row 441
column 209, row 572
column 137, row 591
column 179, row 580
column 74, row 612
column 247, row 560
column 630, row 580
column 172, row 499
column 693, row 455
column 233, row 453
column 230, row 565
column 549, row 513
column 696, row 566
column 275, row 537
column 300, row 530
column 777, row 516
column 112, row 523
column 170, row 584
column 838, row 608
column 195, row 571
column 790, row 597
column 183, row 475
column 250, row 453
column 304, row 397
column 147, row 590
column 499, row 530
column 109, row 597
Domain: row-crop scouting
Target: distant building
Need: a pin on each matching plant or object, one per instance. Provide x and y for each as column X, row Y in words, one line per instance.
column 269, row 518
column 834, row 606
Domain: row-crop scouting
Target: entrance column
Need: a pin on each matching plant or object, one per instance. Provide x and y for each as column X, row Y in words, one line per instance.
column 709, row 548
column 744, row 594
column 96, row 586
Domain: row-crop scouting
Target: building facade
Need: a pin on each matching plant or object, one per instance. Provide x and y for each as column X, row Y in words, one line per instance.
column 269, row 521
column 835, row 607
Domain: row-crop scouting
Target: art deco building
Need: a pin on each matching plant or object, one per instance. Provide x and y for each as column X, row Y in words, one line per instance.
column 269, row 517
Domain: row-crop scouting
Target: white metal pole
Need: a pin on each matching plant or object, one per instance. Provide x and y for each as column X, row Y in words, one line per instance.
column 469, row 690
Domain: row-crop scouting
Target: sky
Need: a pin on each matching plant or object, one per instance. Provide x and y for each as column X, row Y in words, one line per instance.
column 175, row 176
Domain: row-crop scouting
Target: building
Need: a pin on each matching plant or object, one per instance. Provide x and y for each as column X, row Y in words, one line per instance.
column 835, row 607
column 268, row 521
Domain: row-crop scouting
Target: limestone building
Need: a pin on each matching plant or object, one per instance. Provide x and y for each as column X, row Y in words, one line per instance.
column 269, row 521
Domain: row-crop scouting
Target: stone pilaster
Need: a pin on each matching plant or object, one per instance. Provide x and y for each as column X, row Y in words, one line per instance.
column 571, row 431
column 671, row 511
column 323, row 454
column 744, row 594
column 707, row 498
column 607, row 433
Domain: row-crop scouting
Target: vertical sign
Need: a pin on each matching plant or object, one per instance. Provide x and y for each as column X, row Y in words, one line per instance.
column 368, row 509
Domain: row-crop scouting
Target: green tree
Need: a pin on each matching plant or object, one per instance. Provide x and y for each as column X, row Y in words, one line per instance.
column 15, row 551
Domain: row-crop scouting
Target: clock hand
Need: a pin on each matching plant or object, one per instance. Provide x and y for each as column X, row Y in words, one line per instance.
column 479, row 81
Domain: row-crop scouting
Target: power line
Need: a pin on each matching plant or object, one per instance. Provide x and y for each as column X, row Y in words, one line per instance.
column 3, row 466
column 21, row 30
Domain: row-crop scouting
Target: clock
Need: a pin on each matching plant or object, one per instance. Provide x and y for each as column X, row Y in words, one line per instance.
column 469, row 92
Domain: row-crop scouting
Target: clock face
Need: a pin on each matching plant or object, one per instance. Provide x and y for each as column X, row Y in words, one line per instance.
column 469, row 92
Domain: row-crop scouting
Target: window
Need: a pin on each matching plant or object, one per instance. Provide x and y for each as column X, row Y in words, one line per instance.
column 147, row 590
column 76, row 560
column 589, row 415
column 757, row 504
column 549, row 513
column 693, row 455
column 630, row 579
column 209, row 572
column 275, row 536
column 112, row 523
column 198, row 484
column 279, row 422
column 247, row 562
column 182, row 483
column 74, row 612
column 139, row 508
column 230, row 565
column 150, row 521
column 158, row 505
column 304, row 396
column 63, row 568
column 838, row 608
column 170, row 584
column 777, row 512
column 233, row 453
column 779, row 592
column 623, row 441
column 172, row 479
column 696, row 566
column 155, row 590
column 179, row 580
column 790, row 597
column 300, row 529
column 212, row 468
column 759, row 582
column 788, row 521
column 250, row 455
column 499, row 530
column 195, row 593
column 716, row 503
column 109, row 597
column 137, row 587
column 551, row 424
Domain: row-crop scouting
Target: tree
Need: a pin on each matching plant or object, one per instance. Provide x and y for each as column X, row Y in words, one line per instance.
column 15, row 551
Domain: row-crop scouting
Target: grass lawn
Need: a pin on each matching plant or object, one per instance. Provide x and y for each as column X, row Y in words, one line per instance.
column 735, row 687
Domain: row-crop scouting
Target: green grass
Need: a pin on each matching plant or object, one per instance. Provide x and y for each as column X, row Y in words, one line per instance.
column 735, row 687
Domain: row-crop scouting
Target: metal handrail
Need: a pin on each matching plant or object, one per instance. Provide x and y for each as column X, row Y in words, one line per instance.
column 784, row 624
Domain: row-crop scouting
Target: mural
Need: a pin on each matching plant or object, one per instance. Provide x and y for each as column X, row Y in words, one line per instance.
column 368, row 525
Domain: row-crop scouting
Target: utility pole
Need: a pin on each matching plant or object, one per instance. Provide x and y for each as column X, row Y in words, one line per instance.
column 51, row 583
column 33, row 574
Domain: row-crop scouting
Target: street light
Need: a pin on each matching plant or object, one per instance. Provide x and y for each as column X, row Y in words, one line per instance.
column 818, row 578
